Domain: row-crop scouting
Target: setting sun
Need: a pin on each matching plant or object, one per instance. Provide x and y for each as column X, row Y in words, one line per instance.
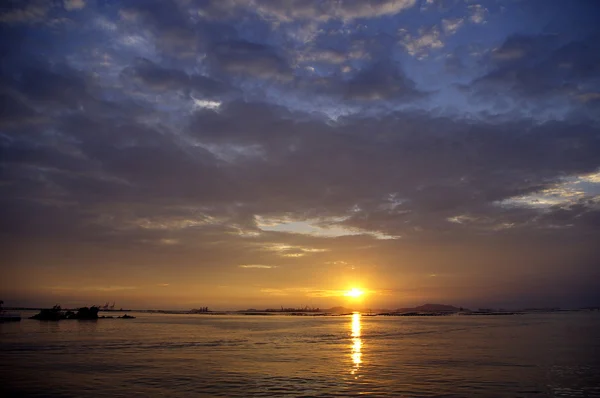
column 354, row 292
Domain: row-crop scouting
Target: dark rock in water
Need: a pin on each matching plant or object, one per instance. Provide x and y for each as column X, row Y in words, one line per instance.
column 126, row 317
column 87, row 313
column 51, row 314
column 56, row 314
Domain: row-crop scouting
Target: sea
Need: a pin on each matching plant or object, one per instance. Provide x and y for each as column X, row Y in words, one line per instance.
column 170, row 355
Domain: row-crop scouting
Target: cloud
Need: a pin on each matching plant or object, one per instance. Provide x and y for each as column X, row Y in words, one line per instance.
column 74, row 4
column 541, row 67
column 205, row 104
column 147, row 74
column 427, row 40
column 323, row 227
column 25, row 12
column 329, row 56
column 305, row 291
column 13, row 112
column 247, row 58
column 478, row 13
column 111, row 288
column 567, row 191
column 451, row 26
column 259, row 266
column 168, row 23
column 592, row 177
column 381, row 81
column 166, row 241
column 325, row 11
column 314, row 292
column 441, row 177
column 285, row 250
column 307, row 167
column 53, row 87
column 588, row 97
column 519, row 46
column 274, row 292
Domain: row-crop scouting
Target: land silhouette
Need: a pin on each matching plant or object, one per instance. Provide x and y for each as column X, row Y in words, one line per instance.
column 56, row 313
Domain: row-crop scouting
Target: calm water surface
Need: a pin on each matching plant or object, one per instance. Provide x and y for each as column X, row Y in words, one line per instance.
column 546, row 355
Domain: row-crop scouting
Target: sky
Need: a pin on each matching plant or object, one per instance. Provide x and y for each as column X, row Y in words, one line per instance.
column 246, row 153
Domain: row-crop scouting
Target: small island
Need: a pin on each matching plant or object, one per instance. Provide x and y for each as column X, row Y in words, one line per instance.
column 56, row 313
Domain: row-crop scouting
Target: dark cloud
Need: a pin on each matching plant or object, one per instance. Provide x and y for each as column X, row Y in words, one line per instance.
column 257, row 60
column 519, row 46
column 170, row 24
column 382, row 81
column 537, row 66
column 145, row 73
column 177, row 27
column 14, row 112
column 17, row 12
column 454, row 64
column 434, row 166
column 61, row 86
column 264, row 159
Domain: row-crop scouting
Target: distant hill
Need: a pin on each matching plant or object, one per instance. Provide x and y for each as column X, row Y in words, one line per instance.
column 421, row 308
column 430, row 308
column 345, row 310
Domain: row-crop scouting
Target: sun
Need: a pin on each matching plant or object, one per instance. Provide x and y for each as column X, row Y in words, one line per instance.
column 354, row 293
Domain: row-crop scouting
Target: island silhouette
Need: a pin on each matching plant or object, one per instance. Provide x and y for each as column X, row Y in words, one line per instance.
column 56, row 313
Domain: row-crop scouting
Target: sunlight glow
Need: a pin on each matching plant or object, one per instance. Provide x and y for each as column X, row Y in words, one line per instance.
column 354, row 293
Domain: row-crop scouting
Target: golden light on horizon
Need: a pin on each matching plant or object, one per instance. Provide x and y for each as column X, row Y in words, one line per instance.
column 354, row 292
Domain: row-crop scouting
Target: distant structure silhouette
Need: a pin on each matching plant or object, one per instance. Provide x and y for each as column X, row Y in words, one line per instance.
column 291, row 309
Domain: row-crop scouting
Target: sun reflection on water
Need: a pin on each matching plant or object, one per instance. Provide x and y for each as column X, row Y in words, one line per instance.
column 356, row 344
